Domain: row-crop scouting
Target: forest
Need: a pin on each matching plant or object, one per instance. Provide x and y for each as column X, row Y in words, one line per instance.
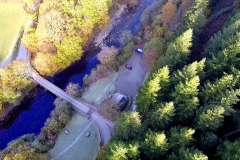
column 188, row 108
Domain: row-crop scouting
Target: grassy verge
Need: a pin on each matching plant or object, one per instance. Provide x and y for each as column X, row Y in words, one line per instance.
column 98, row 90
column 11, row 20
column 84, row 148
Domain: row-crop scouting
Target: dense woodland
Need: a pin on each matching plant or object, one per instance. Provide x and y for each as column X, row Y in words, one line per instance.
column 62, row 30
column 186, row 108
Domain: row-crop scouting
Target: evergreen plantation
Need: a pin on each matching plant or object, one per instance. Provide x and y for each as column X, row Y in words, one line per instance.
column 186, row 107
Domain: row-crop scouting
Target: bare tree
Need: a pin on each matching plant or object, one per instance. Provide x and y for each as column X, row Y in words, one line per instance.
column 107, row 56
column 74, row 90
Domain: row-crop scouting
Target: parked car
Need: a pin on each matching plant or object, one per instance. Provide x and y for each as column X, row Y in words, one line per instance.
column 138, row 50
column 128, row 66
column 88, row 134
column 66, row 131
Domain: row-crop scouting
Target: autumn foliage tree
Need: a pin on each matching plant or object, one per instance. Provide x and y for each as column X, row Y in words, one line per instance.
column 168, row 13
column 15, row 83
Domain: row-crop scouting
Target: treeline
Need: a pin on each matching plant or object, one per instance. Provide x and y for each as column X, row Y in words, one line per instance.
column 185, row 108
column 35, row 147
column 15, row 84
column 62, row 30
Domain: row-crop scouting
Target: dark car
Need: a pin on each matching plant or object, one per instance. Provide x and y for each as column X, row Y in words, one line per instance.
column 128, row 66
column 138, row 50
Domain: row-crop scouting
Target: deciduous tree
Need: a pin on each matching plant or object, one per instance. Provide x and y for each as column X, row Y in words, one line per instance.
column 168, row 13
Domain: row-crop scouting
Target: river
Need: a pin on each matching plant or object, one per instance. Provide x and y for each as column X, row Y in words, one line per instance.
column 30, row 116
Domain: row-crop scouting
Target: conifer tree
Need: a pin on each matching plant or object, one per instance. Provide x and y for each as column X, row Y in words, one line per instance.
column 127, row 126
column 155, row 144
column 223, row 61
column 177, row 52
column 236, row 118
column 188, row 154
column 188, row 72
column 180, row 137
column 116, row 151
column 223, row 39
column 162, row 117
column 194, row 18
column 232, row 17
column 208, row 140
column 210, row 117
column 211, row 91
column 228, row 99
column 229, row 150
column 155, row 86
column 185, row 98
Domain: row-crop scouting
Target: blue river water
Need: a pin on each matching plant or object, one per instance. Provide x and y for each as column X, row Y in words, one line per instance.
column 30, row 116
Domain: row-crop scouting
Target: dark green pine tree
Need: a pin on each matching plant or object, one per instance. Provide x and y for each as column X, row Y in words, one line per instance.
column 223, row 61
column 185, row 98
column 194, row 18
column 228, row 99
column 127, row 126
column 177, row 52
column 116, row 150
column 210, row 117
column 223, row 39
column 155, row 144
column 162, row 117
column 229, row 150
column 153, row 88
column 232, row 17
column 188, row 154
column 212, row 91
column 188, row 72
column 236, row 118
column 180, row 137
column 208, row 140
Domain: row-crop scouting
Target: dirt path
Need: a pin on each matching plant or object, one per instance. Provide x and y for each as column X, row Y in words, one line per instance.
column 174, row 23
column 210, row 29
column 129, row 81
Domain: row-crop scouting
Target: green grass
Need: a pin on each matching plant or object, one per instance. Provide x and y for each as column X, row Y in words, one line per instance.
column 11, row 20
column 85, row 148
column 99, row 89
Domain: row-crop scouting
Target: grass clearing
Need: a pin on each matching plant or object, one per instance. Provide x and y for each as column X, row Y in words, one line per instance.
column 11, row 20
column 84, row 148
column 99, row 89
